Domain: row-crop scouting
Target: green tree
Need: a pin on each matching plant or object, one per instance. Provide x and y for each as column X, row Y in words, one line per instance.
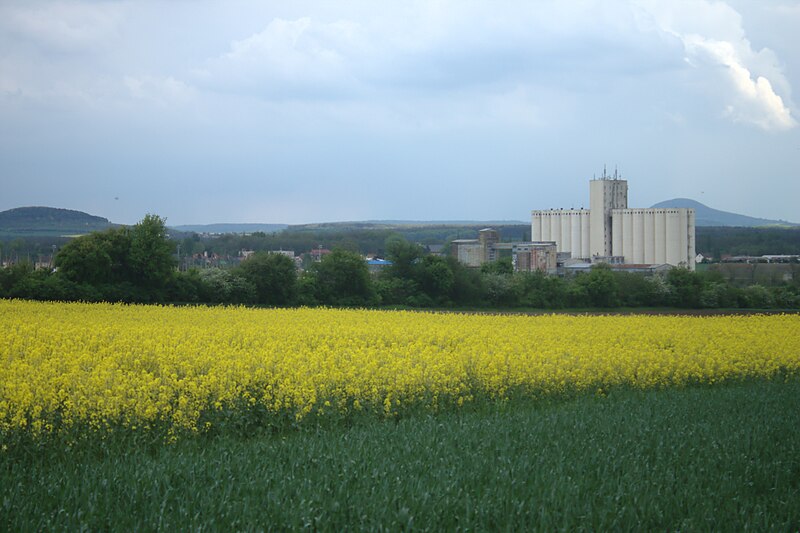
column 503, row 265
column 273, row 275
column 686, row 288
column 307, row 289
column 601, row 286
column 397, row 291
column 150, row 258
column 125, row 264
column 757, row 297
column 11, row 278
column 223, row 286
column 342, row 278
column 501, row 290
column 400, row 283
column 638, row 290
column 97, row 258
column 185, row 287
column 436, row 278
column 787, row 297
column 720, row 294
column 404, row 257
column 537, row 289
column 468, row 286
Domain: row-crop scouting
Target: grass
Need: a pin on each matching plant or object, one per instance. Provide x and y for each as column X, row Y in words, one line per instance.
column 725, row 457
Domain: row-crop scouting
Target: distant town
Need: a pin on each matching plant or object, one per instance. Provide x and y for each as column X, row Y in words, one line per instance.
column 558, row 242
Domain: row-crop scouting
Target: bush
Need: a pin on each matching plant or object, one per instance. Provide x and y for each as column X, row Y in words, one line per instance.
column 685, row 288
column 720, row 294
column 341, row 278
column 467, row 289
column 396, row 291
column 223, row 286
column 185, row 287
column 600, row 286
column 757, row 297
column 786, row 297
column 637, row 290
column 273, row 275
column 537, row 289
column 501, row 291
column 436, row 279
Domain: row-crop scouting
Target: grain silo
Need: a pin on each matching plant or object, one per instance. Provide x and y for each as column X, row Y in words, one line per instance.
column 610, row 231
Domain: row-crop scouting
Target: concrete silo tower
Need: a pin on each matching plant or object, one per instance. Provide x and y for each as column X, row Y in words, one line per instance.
column 605, row 194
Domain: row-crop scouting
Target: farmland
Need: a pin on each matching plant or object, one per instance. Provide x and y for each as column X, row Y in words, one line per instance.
column 322, row 418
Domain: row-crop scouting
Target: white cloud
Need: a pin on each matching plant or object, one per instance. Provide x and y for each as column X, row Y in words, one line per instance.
column 445, row 49
column 419, row 61
column 751, row 100
column 288, row 58
column 442, row 46
column 714, row 39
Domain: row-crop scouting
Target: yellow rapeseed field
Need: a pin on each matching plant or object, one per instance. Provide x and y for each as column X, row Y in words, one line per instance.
column 105, row 366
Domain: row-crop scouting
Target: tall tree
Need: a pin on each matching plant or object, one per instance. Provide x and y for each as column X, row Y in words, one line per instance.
column 100, row 257
column 273, row 275
column 342, row 278
column 403, row 255
column 601, row 286
column 687, row 287
column 150, row 258
column 140, row 256
column 436, row 278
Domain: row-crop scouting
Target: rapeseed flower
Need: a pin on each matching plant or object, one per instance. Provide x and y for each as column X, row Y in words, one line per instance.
column 102, row 366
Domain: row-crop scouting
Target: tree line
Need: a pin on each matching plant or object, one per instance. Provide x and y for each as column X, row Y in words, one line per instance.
column 714, row 242
column 137, row 264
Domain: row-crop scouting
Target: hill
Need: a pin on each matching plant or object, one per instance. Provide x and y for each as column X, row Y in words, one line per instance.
column 415, row 231
column 403, row 225
column 420, row 223
column 706, row 216
column 32, row 221
column 230, row 228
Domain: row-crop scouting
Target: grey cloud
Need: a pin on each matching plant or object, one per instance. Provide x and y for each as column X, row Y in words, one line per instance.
column 288, row 58
column 435, row 50
column 289, row 107
column 61, row 26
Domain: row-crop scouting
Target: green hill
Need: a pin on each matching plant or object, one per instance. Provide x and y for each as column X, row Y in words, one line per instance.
column 706, row 216
column 230, row 228
column 48, row 221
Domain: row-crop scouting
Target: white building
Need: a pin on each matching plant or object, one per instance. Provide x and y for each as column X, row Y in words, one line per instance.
column 610, row 231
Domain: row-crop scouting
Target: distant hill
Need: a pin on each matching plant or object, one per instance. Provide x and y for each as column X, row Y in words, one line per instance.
column 231, row 228
column 432, row 232
column 403, row 224
column 487, row 223
column 706, row 216
column 339, row 226
column 31, row 221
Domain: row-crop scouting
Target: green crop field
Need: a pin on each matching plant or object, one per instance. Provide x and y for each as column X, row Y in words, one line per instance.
column 723, row 457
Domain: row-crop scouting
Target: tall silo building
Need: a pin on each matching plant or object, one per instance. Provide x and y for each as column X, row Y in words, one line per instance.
column 610, row 231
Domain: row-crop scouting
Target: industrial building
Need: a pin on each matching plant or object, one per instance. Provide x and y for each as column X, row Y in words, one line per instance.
column 525, row 256
column 611, row 232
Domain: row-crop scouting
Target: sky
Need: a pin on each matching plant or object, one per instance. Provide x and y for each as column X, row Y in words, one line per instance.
column 317, row 111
